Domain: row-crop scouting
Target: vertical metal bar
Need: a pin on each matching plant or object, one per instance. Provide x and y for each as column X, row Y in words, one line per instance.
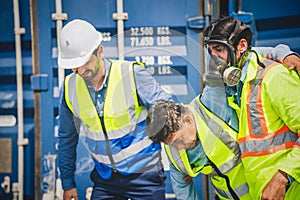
column 37, row 102
column 58, row 9
column 201, row 56
column 120, row 26
column 18, row 31
column 238, row 6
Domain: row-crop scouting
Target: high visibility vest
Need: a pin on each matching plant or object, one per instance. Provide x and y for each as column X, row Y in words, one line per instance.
column 264, row 138
column 117, row 139
column 219, row 142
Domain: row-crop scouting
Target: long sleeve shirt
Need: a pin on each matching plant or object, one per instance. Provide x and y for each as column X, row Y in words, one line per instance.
column 149, row 91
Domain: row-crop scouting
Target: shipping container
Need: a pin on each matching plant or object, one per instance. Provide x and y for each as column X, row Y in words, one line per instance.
column 166, row 35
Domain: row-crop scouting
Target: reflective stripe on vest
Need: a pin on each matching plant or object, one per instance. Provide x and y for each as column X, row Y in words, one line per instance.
column 131, row 150
column 223, row 134
column 122, row 114
column 174, row 154
column 213, row 132
column 260, row 141
column 240, row 191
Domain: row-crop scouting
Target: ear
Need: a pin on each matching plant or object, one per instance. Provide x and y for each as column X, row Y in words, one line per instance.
column 242, row 46
column 75, row 70
column 100, row 51
column 188, row 119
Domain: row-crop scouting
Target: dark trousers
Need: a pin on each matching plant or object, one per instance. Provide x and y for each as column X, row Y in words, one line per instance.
column 148, row 185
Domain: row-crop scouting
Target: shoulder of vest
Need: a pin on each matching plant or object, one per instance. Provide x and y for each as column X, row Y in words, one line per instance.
column 140, row 63
column 70, row 76
column 196, row 102
column 132, row 62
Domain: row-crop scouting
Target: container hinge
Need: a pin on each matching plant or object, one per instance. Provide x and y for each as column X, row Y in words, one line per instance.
column 120, row 16
column 199, row 22
column 23, row 142
column 39, row 82
column 246, row 17
column 59, row 16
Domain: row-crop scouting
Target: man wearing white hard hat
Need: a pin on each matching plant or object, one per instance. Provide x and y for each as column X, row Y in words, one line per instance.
column 104, row 103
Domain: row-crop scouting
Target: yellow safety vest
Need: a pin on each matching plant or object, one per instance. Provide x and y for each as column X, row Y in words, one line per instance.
column 264, row 138
column 122, row 117
column 220, row 146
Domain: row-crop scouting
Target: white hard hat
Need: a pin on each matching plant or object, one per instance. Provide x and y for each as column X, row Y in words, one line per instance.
column 78, row 40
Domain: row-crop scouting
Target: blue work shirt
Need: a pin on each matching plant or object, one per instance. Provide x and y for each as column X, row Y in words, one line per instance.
column 149, row 91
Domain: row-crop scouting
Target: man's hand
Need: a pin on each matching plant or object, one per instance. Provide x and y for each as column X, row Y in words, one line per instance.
column 292, row 62
column 71, row 194
column 276, row 188
column 187, row 178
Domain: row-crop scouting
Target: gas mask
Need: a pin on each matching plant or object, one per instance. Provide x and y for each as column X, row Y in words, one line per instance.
column 215, row 68
column 217, row 71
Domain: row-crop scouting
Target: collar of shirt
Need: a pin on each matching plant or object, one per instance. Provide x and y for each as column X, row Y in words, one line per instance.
column 196, row 155
column 244, row 70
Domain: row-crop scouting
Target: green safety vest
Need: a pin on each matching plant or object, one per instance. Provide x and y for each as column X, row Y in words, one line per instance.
column 220, row 146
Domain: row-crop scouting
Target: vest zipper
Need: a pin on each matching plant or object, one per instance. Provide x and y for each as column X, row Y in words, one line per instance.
column 107, row 145
column 232, row 192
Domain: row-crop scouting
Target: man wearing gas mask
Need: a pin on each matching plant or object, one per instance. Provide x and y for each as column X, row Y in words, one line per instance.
column 214, row 94
column 263, row 95
column 220, row 79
